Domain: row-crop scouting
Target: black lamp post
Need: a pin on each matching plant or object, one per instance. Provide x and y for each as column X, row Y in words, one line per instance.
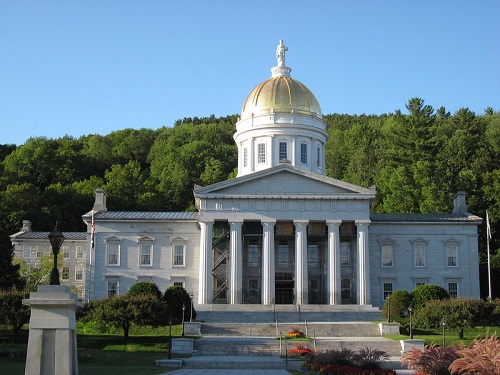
column 191, row 295
column 443, row 323
column 410, row 309
column 388, row 309
column 56, row 239
column 183, row 310
column 170, row 339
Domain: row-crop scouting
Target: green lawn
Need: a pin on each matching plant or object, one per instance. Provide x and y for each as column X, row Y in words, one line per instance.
column 101, row 354
column 436, row 336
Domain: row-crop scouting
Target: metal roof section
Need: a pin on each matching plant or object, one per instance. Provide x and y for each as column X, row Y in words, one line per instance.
column 141, row 216
column 45, row 236
column 425, row 218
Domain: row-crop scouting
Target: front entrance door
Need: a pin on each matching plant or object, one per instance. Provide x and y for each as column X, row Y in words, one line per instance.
column 284, row 289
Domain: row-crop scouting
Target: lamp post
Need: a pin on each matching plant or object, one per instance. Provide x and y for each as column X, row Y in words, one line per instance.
column 410, row 309
column 170, row 339
column 56, row 239
column 191, row 295
column 388, row 309
column 183, row 310
column 443, row 323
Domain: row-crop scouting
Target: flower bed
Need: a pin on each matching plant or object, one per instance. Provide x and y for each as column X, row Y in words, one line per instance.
column 346, row 370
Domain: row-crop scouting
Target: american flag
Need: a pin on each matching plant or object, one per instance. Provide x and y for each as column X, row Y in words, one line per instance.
column 93, row 231
column 488, row 228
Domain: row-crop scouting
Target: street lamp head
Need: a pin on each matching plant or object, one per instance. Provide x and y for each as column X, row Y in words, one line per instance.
column 170, row 322
column 56, row 239
column 443, row 323
column 410, row 309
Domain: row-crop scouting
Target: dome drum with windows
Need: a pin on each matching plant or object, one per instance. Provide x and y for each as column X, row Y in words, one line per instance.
column 281, row 121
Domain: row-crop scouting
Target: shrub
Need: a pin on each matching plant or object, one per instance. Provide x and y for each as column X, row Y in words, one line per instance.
column 459, row 314
column 399, row 301
column 479, row 357
column 433, row 360
column 339, row 356
column 145, row 287
column 176, row 297
column 369, row 358
column 424, row 293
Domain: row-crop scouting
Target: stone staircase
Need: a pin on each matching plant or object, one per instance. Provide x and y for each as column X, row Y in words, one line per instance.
column 237, row 330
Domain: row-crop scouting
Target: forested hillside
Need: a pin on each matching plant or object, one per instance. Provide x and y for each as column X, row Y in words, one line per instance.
column 418, row 158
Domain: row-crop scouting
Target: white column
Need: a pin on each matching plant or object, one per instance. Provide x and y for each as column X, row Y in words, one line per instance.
column 268, row 269
column 205, row 272
column 334, row 287
column 363, row 263
column 294, row 151
column 301, row 277
column 236, row 265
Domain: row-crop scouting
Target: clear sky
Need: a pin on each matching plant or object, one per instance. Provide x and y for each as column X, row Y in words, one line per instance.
column 85, row 67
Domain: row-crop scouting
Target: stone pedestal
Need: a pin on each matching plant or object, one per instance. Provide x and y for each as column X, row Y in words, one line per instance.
column 182, row 346
column 389, row 328
column 52, row 334
column 407, row 345
column 192, row 328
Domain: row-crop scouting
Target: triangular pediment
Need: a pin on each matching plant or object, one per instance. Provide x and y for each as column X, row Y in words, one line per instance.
column 282, row 181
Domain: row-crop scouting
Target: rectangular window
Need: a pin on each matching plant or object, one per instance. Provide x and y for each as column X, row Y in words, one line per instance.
column 253, row 254
column 417, row 284
column 283, row 152
column 65, row 273
column 303, row 153
column 253, row 284
column 345, row 250
column 112, row 287
column 345, row 292
column 113, row 256
column 39, row 254
column 313, row 255
column 318, row 157
column 179, row 283
column 79, row 252
column 78, row 273
column 387, row 251
column 283, row 253
column 451, row 255
column 179, row 255
column 66, row 252
column 145, row 257
column 245, row 156
column 453, row 290
column 261, row 158
column 419, row 255
column 26, row 254
column 387, row 290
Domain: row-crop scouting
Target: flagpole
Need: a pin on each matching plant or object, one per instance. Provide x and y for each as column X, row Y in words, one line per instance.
column 488, row 235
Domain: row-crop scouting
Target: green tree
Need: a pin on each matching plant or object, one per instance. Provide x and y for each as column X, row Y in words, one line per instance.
column 399, row 300
column 145, row 288
column 425, row 293
column 126, row 310
column 12, row 311
column 176, row 298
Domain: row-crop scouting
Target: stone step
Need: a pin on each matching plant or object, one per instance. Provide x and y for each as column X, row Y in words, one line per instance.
column 286, row 313
column 315, row 329
column 261, row 346
column 246, row 362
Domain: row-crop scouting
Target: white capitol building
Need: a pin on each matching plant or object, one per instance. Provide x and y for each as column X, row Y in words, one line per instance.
column 282, row 232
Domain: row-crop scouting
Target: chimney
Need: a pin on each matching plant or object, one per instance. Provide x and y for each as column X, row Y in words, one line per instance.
column 459, row 203
column 26, row 226
column 100, row 200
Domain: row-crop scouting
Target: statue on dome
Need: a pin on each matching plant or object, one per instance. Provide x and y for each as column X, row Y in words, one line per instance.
column 280, row 53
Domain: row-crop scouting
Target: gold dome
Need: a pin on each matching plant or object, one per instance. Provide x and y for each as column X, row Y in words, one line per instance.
column 280, row 94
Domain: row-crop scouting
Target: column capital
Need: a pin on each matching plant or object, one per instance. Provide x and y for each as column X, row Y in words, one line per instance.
column 361, row 223
column 334, row 222
column 301, row 222
column 206, row 221
column 235, row 222
column 269, row 223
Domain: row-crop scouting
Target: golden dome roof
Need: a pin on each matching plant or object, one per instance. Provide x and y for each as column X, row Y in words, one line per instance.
column 280, row 94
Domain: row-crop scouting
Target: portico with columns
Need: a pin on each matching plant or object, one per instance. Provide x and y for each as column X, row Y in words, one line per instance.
column 286, row 238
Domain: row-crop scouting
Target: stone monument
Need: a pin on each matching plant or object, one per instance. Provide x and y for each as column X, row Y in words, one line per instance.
column 52, row 332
